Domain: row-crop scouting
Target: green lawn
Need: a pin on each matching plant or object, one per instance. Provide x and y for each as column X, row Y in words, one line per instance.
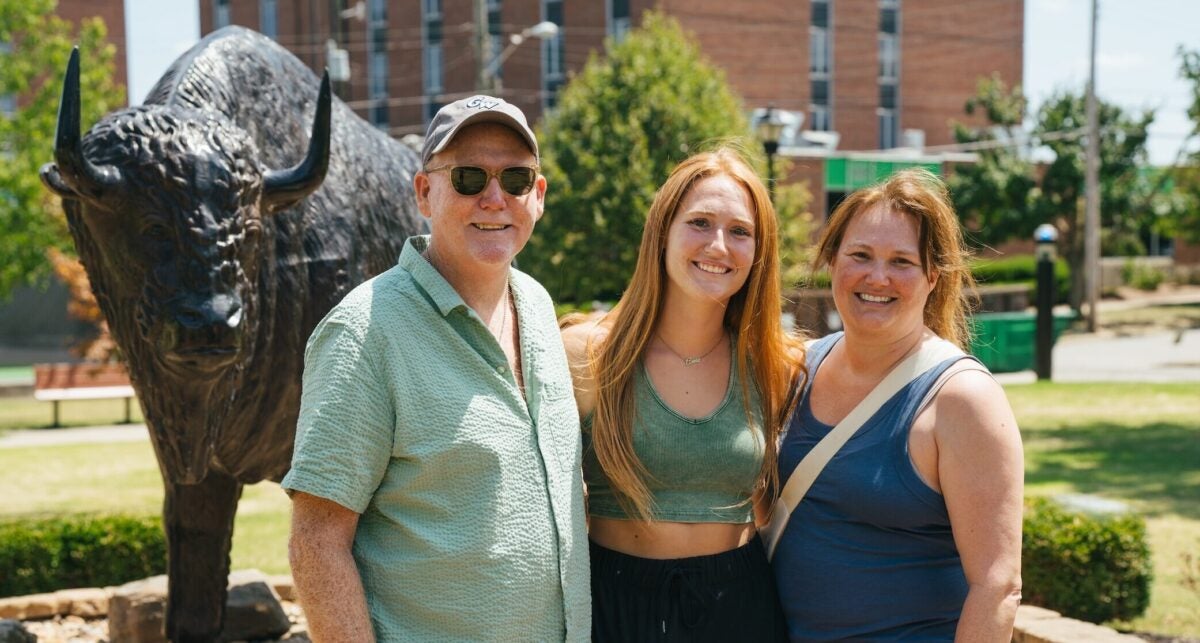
column 1139, row 443
column 123, row 477
column 26, row 412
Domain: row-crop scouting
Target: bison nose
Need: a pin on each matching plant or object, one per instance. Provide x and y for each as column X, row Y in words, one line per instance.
column 206, row 331
column 211, row 312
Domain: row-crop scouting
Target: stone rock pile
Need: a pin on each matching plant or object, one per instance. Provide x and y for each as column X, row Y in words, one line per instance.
column 259, row 608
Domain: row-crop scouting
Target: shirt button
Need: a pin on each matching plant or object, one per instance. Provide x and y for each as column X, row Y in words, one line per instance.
column 501, row 369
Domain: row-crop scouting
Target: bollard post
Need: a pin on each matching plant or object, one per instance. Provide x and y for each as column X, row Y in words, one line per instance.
column 1045, row 236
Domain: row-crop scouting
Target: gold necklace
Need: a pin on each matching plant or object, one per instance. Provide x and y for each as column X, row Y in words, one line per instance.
column 691, row 361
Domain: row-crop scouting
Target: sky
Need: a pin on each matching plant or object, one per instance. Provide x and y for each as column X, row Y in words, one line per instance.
column 1136, row 68
column 1136, row 64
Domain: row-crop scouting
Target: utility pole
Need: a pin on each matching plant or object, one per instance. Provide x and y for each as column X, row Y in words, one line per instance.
column 483, row 47
column 1091, row 222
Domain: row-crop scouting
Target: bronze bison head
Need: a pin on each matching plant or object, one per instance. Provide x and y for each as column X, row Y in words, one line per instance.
column 170, row 209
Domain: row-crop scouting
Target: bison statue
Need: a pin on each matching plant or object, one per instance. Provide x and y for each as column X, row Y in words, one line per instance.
column 216, row 234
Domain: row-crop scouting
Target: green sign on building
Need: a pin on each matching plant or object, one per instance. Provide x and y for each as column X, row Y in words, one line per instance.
column 844, row 174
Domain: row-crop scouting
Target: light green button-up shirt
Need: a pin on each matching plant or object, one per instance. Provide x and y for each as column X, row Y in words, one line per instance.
column 471, row 495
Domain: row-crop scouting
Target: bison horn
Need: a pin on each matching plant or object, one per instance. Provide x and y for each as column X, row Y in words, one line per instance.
column 282, row 188
column 72, row 174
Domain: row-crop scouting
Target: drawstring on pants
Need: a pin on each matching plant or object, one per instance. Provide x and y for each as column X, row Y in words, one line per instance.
column 694, row 602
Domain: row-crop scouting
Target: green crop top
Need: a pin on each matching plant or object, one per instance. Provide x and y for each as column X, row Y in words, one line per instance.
column 701, row 470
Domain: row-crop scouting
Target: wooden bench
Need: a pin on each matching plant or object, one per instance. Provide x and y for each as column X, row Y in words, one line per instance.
column 59, row 382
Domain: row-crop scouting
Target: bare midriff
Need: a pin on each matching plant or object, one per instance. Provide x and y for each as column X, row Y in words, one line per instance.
column 664, row 540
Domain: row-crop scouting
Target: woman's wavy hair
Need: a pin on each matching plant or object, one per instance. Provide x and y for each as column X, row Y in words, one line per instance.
column 923, row 196
column 768, row 358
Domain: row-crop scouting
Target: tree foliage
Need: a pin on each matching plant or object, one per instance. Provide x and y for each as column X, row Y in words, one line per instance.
column 34, row 47
column 1183, row 218
column 619, row 128
column 996, row 194
column 1006, row 196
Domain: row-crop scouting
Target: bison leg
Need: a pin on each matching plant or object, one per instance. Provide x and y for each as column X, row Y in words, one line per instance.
column 199, row 524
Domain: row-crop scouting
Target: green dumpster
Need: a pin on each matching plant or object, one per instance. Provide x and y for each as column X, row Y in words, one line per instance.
column 1005, row 342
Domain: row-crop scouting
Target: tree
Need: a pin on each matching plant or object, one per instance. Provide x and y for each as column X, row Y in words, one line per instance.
column 995, row 194
column 1004, row 196
column 621, row 125
column 34, row 47
column 1182, row 218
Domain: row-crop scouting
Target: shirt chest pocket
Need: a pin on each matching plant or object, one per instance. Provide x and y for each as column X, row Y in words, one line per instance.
column 558, row 422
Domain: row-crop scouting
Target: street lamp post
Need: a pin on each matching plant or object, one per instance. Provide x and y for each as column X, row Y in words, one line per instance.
column 1045, row 236
column 769, row 129
column 488, row 81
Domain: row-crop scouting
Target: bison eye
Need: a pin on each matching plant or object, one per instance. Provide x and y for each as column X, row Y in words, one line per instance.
column 156, row 231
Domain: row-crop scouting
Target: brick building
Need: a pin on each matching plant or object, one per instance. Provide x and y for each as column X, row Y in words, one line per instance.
column 875, row 81
column 112, row 12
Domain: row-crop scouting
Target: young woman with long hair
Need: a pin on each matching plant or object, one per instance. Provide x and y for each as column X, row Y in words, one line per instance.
column 682, row 389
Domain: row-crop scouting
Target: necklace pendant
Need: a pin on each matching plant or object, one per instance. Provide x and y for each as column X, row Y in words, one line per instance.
column 690, row 361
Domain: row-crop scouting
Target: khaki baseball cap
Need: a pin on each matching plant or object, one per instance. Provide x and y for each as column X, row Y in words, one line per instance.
column 450, row 119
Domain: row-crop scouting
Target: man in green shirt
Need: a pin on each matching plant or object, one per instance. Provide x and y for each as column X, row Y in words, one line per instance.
column 436, row 481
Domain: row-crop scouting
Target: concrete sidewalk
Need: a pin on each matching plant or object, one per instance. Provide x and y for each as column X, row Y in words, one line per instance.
column 19, row 438
column 1161, row 356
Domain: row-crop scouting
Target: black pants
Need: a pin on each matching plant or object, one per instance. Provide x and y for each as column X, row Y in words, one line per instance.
column 724, row 597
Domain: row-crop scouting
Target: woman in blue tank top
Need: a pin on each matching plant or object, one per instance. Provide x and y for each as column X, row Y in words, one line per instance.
column 682, row 389
column 913, row 529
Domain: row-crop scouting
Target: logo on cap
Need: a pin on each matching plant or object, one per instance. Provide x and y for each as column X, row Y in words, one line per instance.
column 480, row 101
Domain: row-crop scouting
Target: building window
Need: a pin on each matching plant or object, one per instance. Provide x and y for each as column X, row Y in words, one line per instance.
column 377, row 13
column 887, row 128
column 268, row 18
column 888, row 17
column 431, row 69
column 818, row 50
column 889, row 56
column 618, row 19
column 820, row 66
column 377, row 63
column 820, row 92
column 553, row 71
column 820, row 13
column 495, row 35
column 431, row 9
column 888, row 111
column 887, row 96
column 818, row 118
column 220, row 14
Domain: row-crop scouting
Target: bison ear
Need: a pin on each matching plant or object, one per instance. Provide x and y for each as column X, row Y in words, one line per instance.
column 283, row 188
column 54, row 182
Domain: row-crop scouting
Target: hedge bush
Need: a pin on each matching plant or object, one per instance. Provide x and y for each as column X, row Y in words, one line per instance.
column 1021, row 269
column 79, row 551
column 1086, row 567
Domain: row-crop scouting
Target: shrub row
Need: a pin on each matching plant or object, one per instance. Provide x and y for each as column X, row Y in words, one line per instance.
column 1086, row 567
column 79, row 551
column 1091, row 568
column 1021, row 269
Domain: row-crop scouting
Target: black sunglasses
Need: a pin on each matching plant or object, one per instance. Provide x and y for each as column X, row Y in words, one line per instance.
column 469, row 181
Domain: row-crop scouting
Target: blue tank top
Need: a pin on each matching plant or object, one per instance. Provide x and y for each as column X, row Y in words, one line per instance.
column 868, row 553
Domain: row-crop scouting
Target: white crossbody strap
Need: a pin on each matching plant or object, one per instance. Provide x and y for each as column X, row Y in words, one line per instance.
column 931, row 353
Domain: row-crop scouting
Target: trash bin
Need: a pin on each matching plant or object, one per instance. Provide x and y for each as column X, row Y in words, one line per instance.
column 1005, row 342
